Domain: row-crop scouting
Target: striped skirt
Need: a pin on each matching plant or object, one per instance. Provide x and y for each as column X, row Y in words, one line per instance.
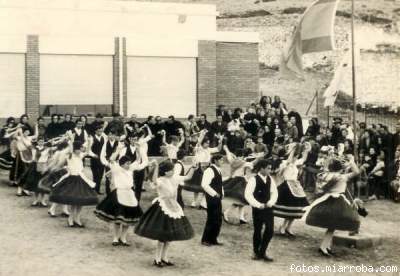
column 289, row 206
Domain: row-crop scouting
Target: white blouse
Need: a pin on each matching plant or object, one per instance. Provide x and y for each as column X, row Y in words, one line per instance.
column 167, row 187
column 75, row 164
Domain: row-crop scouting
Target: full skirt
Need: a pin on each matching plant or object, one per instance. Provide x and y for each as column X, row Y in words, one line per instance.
column 110, row 210
column 157, row 225
column 289, row 206
column 6, row 160
column 234, row 189
column 17, row 169
column 334, row 213
column 49, row 179
column 30, row 179
column 73, row 190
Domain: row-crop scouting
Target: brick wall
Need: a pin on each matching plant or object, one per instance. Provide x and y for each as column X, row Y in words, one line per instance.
column 116, row 62
column 32, row 82
column 237, row 74
column 206, row 79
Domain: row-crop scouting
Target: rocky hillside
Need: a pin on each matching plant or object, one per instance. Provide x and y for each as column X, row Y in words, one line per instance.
column 377, row 33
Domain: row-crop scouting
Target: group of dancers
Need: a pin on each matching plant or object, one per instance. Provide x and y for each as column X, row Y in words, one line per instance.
column 68, row 171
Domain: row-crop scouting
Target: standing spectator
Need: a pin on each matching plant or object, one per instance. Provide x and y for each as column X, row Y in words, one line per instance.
column 266, row 102
column 336, row 131
column 251, row 122
column 67, row 124
column 190, row 128
column 40, row 127
column 53, row 128
column 228, row 116
column 313, row 128
column 221, row 110
column 366, row 141
column 295, row 119
column 172, row 126
column 277, row 102
column 218, row 128
column 156, row 142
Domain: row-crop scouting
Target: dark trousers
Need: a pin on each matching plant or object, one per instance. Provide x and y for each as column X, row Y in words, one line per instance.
column 214, row 220
column 261, row 239
column 138, row 178
column 97, row 171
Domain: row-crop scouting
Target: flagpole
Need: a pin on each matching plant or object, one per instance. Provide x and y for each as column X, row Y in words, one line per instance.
column 354, row 82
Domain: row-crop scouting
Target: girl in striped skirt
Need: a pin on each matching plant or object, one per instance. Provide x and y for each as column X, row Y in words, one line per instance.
column 291, row 196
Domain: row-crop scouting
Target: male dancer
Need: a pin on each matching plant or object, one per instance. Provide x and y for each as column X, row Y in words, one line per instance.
column 212, row 185
column 261, row 194
column 99, row 139
column 109, row 147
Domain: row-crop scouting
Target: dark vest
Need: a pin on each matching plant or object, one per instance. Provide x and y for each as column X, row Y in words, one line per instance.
column 130, row 154
column 216, row 182
column 262, row 190
column 80, row 138
column 97, row 145
column 110, row 149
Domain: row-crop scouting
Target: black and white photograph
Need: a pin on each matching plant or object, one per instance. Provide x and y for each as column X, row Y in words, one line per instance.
column 199, row 137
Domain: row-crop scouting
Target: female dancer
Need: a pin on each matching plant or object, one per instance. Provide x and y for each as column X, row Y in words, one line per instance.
column 235, row 186
column 75, row 188
column 333, row 211
column 54, row 170
column 121, row 207
column 165, row 221
column 291, row 196
column 24, row 157
column 34, row 173
column 202, row 159
column 6, row 159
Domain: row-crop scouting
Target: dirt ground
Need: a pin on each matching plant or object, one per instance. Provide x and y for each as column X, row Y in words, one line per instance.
column 32, row 243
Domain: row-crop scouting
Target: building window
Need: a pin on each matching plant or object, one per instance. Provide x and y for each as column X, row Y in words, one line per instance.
column 76, row 110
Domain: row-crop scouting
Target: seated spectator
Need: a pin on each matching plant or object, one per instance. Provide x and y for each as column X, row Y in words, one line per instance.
column 292, row 131
column 260, row 149
column 202, row 123
column 375, row 179
column 172, row 126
